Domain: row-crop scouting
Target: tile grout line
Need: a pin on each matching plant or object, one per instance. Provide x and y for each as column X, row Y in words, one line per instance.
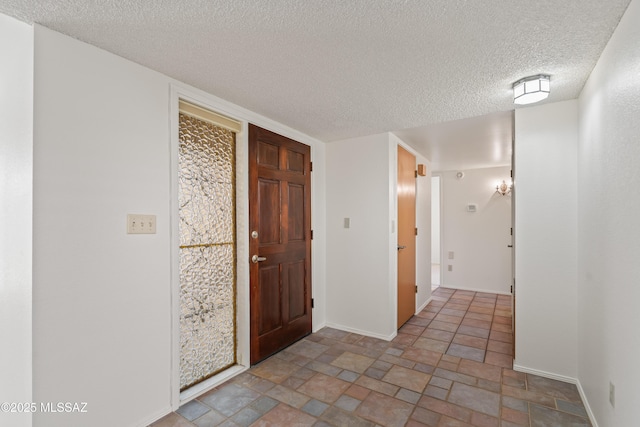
column 338, row 344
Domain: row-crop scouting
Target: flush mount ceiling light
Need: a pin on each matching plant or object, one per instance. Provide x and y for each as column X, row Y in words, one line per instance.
column 531, row 89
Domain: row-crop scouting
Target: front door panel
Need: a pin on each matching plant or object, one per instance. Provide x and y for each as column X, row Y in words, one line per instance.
column 280, row 242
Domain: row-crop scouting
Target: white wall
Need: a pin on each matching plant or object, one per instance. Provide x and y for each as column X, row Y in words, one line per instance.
column 435, row 219
column 608, row 228
column 101, row 297
column 546, row 238
column 478, row 240
column 359, row 187
column 362, row 259
column 102, row 313
column 16, row 150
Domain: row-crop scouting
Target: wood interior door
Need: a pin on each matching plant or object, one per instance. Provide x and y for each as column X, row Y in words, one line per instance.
column 280, row 241
column 406, row 235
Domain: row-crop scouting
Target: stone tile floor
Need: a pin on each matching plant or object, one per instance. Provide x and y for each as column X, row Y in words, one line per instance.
column 450, row 365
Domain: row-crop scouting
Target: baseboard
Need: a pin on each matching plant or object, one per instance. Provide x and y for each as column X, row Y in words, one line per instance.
column 565, row 379
column 486, row 291
column 587, row 407
column 362, row 332
column 317, row 328
column 146, row 421
column 209, row 384
column 423, row 306
column 544, row 374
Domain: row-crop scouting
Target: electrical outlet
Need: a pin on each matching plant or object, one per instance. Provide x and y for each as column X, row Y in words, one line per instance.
column 449, row 267
column 141, row 224
column 612, row 394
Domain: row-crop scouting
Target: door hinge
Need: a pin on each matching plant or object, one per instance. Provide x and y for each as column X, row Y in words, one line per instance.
column 416, row 231
column 310, row 166
column 416, row 289
column 511, row 288
column 311, row 302
column 311, row 234
column 415, row 174
column 511, row 232
column 511, row 173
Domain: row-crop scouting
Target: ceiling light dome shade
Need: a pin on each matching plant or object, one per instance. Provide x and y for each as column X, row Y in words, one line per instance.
column 531, row 89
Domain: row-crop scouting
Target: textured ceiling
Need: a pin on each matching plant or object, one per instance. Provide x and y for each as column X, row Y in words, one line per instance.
column 477, row 142
column 336, row 69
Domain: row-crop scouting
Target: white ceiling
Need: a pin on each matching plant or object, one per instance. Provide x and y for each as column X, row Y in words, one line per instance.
column 336, row 69
column 477, row 142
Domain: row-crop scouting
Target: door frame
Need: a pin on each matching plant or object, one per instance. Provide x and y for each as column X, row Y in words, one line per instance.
column 178, row 93
column 290, row 329
column 440, row 228
column 423, row 296
column 414, row 243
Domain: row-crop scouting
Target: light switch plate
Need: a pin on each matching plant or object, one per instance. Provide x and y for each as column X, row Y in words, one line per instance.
column 141, row 224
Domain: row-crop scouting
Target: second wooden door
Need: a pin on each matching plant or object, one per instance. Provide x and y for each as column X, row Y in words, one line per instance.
column 406, row 235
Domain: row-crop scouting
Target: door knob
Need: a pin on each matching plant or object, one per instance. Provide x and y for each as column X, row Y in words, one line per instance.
column 401, row 247
column 256, row 259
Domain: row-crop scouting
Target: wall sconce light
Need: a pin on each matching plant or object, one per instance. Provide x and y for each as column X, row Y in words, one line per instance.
column 504, row 188
column 531, row 89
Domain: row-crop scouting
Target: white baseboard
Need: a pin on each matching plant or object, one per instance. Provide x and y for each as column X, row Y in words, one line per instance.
column 362, row 332
column 565, row 379
column 544, row 374
column 587, row 407
column 154, row 417
column 318, row 327
column 423, row 306
column 208, row 384
column 486, row 291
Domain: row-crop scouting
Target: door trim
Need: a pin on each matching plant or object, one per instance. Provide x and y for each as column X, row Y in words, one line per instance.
column 178, row 93
column 409, row 243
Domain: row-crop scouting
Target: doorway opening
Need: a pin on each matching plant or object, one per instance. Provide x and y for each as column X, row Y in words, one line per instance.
column 435, row 232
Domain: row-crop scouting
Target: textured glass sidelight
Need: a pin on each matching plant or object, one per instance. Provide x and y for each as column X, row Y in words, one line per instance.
column 207, row 250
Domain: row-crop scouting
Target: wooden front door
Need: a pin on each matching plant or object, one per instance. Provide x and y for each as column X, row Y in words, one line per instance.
column 279, row 242
column 406, row 235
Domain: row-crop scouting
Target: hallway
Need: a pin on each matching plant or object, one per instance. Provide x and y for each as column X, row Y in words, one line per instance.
column 450, row 365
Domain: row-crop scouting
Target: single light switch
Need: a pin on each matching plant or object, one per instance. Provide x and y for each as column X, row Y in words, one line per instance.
column 347, row 222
